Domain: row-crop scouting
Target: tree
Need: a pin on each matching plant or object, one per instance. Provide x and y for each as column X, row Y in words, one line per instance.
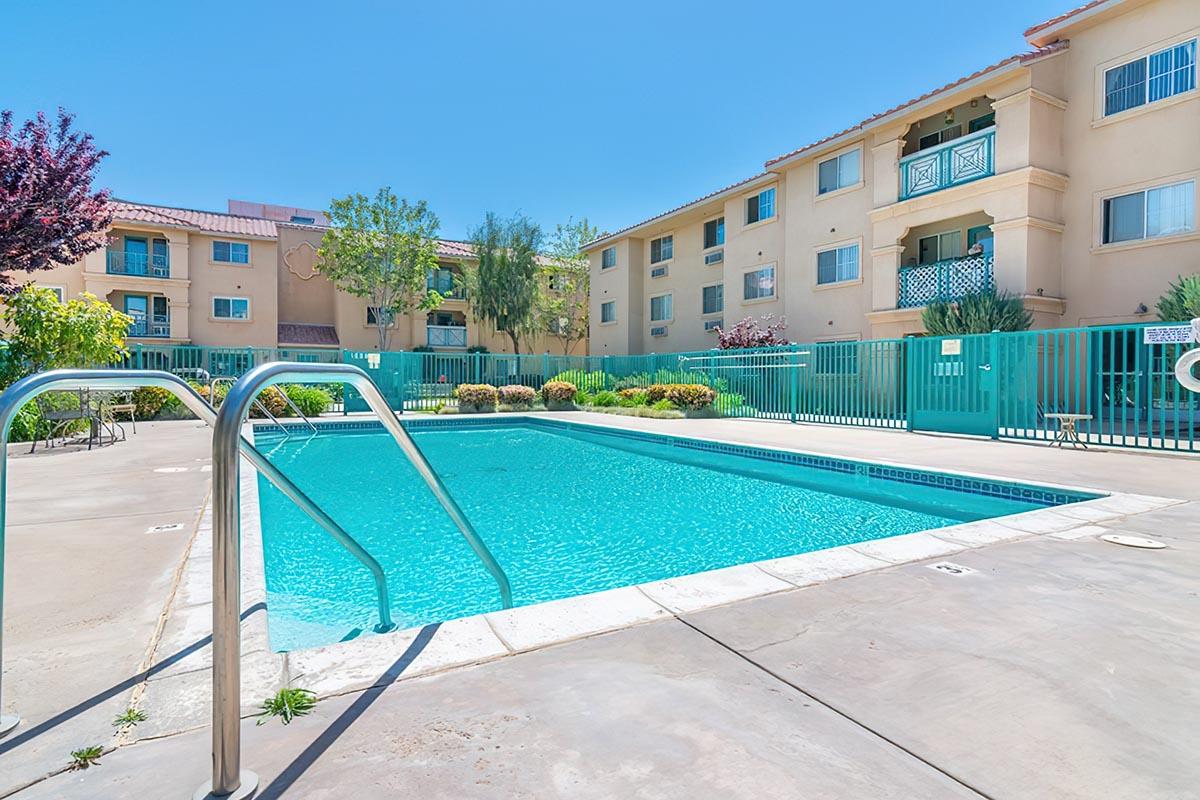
column 48, row 334
column 978, row 312
column 502, row 287
column 752, row 332
column 49, row 214
column 562, row 302
column 1181, row 303
column 382, row 249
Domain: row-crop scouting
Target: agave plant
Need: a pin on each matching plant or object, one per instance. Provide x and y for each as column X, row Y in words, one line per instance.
column 1181, row 303
column 287, row 704
column 980, row 312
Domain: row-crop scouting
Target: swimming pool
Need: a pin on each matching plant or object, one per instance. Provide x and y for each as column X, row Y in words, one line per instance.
column 568, row 509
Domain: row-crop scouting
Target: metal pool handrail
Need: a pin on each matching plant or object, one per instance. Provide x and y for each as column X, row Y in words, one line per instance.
column 25, row 389
column 258, row 403
column 227, row 776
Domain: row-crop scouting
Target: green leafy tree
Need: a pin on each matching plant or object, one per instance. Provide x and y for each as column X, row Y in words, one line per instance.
column 48, row 334
column 502, row 287
column 1181, row 303
column 980, row 312
column 562, row 303
column 382, row 249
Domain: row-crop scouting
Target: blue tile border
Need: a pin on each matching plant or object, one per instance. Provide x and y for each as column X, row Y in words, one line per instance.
column 1026, row 493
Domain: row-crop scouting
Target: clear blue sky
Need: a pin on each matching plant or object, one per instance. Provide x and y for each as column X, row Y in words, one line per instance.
column 612, row 110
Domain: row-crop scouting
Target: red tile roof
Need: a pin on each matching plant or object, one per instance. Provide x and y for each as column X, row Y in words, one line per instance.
column 1063, row 17
column 208, row 221
column 1019, row 58
column 308, row 334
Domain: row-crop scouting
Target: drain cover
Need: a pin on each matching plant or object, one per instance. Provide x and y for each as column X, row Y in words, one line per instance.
column 950, row 568
column 171, row 469
column 173, row 526
column 1132, row 541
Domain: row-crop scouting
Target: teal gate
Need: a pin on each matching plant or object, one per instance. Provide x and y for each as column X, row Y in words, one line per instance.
column 952, row 384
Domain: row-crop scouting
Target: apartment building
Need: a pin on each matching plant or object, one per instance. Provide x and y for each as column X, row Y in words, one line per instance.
column 1067, row 174
column 250, row 278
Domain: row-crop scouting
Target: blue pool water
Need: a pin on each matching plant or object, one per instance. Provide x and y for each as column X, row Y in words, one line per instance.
column 566, row 510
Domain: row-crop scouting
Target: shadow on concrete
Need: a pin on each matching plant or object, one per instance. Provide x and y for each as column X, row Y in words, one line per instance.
column 18, row 739
column 331, row 734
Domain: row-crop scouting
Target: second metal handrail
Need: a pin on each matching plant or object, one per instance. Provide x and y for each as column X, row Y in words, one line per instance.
column 262, row 407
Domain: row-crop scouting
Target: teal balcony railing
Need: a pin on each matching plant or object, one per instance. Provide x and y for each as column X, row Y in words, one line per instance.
column 153, row 325
column 953, row 163
column 142, row 264
column 445, row 336
column 944, row 281
column 445, row 284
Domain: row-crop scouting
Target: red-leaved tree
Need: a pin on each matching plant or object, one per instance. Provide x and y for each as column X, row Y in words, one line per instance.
column 750, row 332
column 49, row 214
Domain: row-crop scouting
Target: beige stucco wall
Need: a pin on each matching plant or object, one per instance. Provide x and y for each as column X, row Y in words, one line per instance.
column 304, row 294
column 257, row 281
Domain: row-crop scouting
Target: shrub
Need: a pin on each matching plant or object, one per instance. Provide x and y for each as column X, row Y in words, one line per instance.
column 587, row 381
column 203, row 388
column 751, row 333
column 656, row 392
column 582, row 398
column 691, row 395
column 517, row 396
column 313, row 401
column 477, row 396
column 980, row 312
column 476, row 348
column 638, row 380
column 271, row 398
column 558, row 393
column 149, row 400
column 27, row 424
column 632, row 397
column 1181, row 302
column 605, row 399
column 663, row 405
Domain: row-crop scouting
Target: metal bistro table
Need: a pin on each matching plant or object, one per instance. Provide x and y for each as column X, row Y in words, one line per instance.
column 1067, row 434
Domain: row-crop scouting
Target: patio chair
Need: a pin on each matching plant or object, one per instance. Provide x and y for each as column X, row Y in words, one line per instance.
column 61, row 420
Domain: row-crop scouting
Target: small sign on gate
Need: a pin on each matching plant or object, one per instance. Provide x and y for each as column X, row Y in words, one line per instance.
column 1168, row 334
column 952, row 347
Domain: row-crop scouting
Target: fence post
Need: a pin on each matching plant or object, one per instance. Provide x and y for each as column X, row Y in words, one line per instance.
column 545, row 368
column 994, row 375
column 907, row 357
column 794, row 383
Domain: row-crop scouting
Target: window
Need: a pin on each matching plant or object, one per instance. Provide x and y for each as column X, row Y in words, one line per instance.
column 231, row 252
column 714, row 233
column 1150, row 78
column 660, row 308
column 662, row 249
column 304, row 220
column 713, row 299
column 837, row 265
column 59, row 292
column 840, row 172
column 608, row 258
column 608, row 311
column 373, row 316
column 939, row 247
column 758, row 283
column 979, row 123
column 941, row 137
column 1148, row 214
column 231, row 308
column 761, row 206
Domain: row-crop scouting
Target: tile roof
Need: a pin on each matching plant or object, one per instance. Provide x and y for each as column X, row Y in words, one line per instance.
column 304, row 333
column 1018, row 58
column 1063, row 17
column 209, row 221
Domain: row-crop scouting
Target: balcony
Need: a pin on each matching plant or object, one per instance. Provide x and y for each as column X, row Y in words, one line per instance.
column 447, row 284
column 139, row 264
column 446, row 335
column 952, row 163
column 154, row 326
column 944, row 281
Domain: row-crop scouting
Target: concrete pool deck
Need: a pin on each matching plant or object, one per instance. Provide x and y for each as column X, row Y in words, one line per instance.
column 1061, row 667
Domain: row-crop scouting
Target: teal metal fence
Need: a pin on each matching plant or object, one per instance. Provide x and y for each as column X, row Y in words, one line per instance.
column 1112, row 385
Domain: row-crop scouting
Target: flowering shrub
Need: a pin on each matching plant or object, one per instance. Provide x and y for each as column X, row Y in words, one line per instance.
column 149, row 400
column 476, row 396
column 752, row 333
column 691, row 395
column 517, row 396
column 656, row 392
column 271, row 399
column 558, row 393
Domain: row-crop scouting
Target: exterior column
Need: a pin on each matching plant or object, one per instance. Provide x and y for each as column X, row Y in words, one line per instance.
column 1028, row 256
column 885, row 166
column 885, row 276
column 177, row 254
column 178, row 311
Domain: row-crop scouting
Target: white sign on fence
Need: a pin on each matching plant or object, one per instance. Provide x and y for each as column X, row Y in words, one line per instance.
column 952, row 347
column 1168, row 334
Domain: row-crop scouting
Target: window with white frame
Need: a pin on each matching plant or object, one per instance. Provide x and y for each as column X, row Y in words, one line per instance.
column 608, row 258
column 1150, row 213
column 761, row 206
column 758, row 284
column 231, row 308
column 837, row 264
column 59, row 292
column 608, row 311
column 713, row 299
column 660, row 308
column 714, row 233
column 839, row 172
column 231, row 252
column 662, row 249
column 374, row 314
column 1150, row 78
